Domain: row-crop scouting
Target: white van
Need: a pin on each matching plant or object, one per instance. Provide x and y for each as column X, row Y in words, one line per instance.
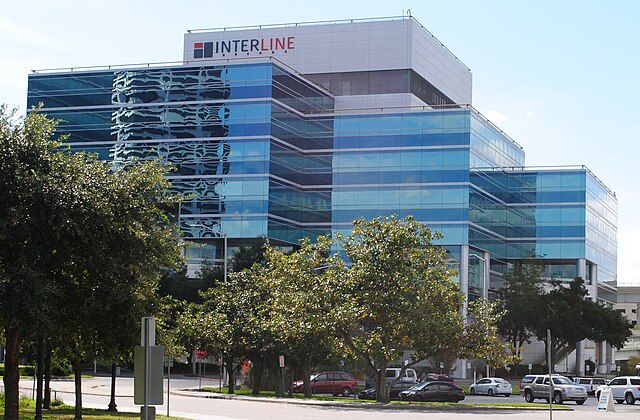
column 393, row 373
column 590, row 384
column 410, row 375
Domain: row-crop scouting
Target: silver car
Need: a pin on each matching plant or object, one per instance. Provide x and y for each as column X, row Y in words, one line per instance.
column 491, row 387
column 563, row 389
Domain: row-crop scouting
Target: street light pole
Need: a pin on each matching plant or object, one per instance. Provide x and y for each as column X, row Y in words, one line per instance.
column 224, row 234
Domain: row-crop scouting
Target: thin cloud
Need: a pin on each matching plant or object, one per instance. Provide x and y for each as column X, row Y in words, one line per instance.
column 495, row 117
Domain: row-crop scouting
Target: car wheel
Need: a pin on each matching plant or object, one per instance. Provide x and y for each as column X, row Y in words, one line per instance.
column 557, row 398
column 619, row 401
column 528, row 396
column 346, row 391
column 490, row 392
column 630, row 399
column 598, row 396
column 418, row 398
column 580, row 402
column 507, row 395
column 472, row 391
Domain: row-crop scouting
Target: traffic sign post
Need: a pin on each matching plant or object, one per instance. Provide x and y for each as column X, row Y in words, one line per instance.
column 281, row 363
column 148, row 371
column 200, row 355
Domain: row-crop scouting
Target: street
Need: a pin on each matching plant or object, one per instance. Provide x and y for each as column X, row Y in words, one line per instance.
column 189, row 404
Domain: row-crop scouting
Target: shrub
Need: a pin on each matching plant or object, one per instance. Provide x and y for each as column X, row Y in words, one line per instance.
column 27, row 370
column 58, row 370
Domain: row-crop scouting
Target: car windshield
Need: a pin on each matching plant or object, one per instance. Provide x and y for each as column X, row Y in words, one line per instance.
column 500, row 380
column 419, row 386
column 561, row 380
column 314, row 376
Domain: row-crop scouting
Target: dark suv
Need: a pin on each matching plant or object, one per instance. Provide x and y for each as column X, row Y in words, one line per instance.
column 334, row 382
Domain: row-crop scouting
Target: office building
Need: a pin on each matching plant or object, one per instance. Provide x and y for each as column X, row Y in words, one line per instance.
column 292, row 131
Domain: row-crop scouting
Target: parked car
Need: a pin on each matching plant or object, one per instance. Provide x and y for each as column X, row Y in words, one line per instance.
column 623, row 389
column 334, row 382
column 537, row 386
column 394, row 392
column 491, row 387
column 590, row 384
column 437, row 377
column 391, row 374
column 433, row 391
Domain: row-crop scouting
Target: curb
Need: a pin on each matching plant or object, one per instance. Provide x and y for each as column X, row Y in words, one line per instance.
column 361, row 405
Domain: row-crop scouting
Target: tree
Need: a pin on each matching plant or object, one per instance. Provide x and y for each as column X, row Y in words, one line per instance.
column 632, row 367
column 29, row 236
column 230, row 321
column 248, row 255
column 398, row 295
column 304, row 285
column 128, row 239
column 77, row 238
column 521, row 305
column 572, row 317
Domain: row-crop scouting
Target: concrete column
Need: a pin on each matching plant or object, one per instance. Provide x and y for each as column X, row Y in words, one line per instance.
column 464, row 288
column 464, row 278
column 593, row 274
column 581, row 266
column 580, row 358
column 592, row 285
column 487, row 274
column 602, row 357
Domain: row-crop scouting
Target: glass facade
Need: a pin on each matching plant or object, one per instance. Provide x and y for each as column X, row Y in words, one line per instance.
column 260, row 151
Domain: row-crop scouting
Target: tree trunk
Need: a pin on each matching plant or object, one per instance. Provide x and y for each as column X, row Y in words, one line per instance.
column 11, row 373
column 77, row 373
column 306, row 379
column 40, row 376
column 47, row 379
column 382, row 394
column 256, row 372
column 112, row 403
column 231, row 375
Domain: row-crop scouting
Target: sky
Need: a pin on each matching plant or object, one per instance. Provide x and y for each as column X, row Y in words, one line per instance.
column 559, row 77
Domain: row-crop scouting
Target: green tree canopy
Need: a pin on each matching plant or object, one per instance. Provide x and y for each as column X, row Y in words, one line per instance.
column 81, row 245
column 398, row 295
column 521, row 305
column 572, row 316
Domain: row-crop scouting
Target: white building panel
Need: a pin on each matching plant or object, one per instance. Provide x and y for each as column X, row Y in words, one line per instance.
column 341, row 47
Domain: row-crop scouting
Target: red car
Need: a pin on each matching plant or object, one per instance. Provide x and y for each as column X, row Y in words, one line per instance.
column 335, row 382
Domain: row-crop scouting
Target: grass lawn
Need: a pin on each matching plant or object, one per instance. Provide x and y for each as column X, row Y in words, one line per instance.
column 354, row 398
column 65, row 412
